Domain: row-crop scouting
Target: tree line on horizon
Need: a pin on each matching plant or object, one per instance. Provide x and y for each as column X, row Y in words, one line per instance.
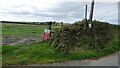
column 35, row 23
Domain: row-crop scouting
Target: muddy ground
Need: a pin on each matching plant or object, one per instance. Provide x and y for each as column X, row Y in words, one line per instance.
column 13, row 40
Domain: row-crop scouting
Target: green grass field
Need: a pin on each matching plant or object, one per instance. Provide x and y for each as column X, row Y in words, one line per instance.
column 10, row 29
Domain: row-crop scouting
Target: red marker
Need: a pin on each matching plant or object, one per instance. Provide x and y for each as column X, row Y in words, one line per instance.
column 46, row 35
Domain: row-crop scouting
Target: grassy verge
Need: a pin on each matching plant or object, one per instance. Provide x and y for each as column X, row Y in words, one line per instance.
column 41, row 53
column 30, row 54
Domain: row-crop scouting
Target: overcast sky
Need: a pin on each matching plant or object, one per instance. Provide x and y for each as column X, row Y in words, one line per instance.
column 56, row 10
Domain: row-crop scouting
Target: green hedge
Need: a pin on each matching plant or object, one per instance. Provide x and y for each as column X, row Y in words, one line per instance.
column 79, row 35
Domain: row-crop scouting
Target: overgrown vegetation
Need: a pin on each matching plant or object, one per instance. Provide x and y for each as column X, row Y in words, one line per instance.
column 78, row 35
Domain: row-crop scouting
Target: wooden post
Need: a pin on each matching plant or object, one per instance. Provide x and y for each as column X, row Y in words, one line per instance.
column 61, row 24
column 85, row 17
column 91, row 10
column 86, row 12
column 49, row 27
column 91, row 14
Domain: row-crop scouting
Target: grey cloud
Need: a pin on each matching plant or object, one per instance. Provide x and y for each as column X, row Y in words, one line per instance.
column 66, row 11
column 16, row 11
column 106, row 11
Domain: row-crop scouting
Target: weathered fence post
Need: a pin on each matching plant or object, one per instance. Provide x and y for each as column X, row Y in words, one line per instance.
column 49, row 27
column 85, row 17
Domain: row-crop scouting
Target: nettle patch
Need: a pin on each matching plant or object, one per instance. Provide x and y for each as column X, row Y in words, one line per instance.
column 78, row 35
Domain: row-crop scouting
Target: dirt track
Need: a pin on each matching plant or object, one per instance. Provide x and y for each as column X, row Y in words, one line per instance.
column 13, row 40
